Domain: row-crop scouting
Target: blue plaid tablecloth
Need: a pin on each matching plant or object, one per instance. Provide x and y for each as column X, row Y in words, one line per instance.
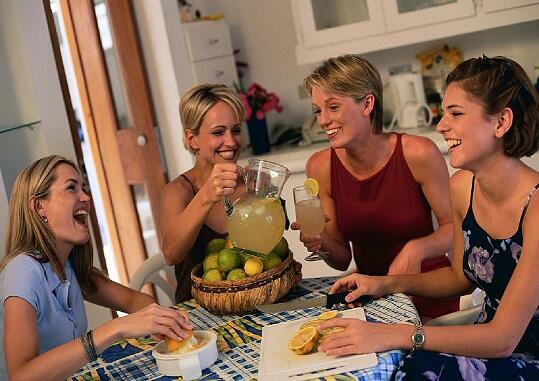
column 239, row 340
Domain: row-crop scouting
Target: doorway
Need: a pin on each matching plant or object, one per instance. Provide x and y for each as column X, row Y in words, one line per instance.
column 101, row 57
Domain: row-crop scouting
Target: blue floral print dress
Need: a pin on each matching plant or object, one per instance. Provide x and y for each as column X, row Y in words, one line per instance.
column 489, row 264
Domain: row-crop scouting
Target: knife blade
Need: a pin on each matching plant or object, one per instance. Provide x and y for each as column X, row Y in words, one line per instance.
column 327, row 301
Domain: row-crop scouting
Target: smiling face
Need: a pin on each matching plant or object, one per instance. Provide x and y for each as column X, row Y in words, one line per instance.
column 219, row 136
column 66, row 209
column 341, row 117
column 471, row 135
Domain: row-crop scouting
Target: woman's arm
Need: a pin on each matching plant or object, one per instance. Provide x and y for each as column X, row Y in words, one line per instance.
column 21, row 340
column 430, row 171
column 179, row 207
column 331, row 240
column 116, row 296
column 497, row 338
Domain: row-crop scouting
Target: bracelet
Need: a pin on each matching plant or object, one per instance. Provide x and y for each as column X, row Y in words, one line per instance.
column 88, row 345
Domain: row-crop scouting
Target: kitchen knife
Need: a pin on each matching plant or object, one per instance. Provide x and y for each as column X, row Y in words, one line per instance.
column 327, row 301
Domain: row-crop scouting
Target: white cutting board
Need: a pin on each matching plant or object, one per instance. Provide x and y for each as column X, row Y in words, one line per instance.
column 277, row 362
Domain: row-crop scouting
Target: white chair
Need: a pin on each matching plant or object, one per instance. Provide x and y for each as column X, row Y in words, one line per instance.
column 470, row 307
column 155, row 270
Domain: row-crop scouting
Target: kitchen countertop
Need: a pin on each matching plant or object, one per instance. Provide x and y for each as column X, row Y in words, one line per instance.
column 294, row 158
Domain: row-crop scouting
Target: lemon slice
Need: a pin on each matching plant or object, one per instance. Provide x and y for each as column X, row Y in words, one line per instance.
column 304, row 341
column 327, row 315
column 311, row 186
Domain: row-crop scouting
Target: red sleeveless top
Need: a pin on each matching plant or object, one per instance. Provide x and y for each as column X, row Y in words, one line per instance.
column 381, row 213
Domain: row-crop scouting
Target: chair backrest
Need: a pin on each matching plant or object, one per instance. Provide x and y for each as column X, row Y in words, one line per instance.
column 155, row 270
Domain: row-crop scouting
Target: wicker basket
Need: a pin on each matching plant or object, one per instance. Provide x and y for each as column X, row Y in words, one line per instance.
column 240, row 296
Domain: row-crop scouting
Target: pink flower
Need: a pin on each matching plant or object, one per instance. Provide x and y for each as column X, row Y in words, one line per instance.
column 258, row 101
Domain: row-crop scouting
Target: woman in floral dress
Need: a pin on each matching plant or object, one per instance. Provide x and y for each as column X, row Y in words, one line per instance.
column 491, row 120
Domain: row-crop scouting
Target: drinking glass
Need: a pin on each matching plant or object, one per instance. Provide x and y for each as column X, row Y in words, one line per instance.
column 311, row 218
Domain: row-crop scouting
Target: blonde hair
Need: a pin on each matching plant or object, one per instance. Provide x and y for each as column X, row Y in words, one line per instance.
column 28, row 232
column 352, row 76
column 199, row 99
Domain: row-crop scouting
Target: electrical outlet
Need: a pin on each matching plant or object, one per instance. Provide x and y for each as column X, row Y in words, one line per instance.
column 302, row 93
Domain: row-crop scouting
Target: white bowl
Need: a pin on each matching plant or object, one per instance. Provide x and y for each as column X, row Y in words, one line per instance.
column 191, row 364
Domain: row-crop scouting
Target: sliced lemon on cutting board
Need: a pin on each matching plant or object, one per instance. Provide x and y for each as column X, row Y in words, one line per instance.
column 328, row 315
column 304, row 341
column 311, row 186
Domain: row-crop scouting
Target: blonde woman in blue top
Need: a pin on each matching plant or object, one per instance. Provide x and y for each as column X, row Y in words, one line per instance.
column 47, row 272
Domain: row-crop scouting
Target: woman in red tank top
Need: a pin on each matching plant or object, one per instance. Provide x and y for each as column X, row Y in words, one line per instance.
column 377, row 189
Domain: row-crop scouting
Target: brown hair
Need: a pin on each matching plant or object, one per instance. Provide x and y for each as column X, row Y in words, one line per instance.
column 29, row 233
column 353, row 76
column 197, row 101
column 497, row 83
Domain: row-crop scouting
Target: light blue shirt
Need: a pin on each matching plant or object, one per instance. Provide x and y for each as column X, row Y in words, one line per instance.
column 59, row 305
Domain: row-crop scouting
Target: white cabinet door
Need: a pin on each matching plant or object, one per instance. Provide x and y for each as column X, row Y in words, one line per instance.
column 405, row 14
column 322, row 22
column 498, row 5
column 217, row 70
column 207, row 39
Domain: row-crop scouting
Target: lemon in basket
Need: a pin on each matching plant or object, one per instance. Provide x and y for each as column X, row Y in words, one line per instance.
column 213, row 275
column 215, row 245
column 253, row 266
column 304, row 341
column 272, row 260
column 229, row 259
column 210, row 262
column 236, row 274
column 281, row 249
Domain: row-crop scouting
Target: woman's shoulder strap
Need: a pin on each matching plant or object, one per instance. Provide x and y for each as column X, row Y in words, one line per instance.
column 190, row 183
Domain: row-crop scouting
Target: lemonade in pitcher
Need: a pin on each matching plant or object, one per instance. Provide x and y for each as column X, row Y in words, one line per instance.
column 257, row 224
column 256, row 220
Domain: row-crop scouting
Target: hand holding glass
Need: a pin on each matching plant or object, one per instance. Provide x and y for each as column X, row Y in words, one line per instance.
column 311, row 218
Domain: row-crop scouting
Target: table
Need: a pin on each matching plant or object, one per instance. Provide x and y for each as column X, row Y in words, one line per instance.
column 239, row 341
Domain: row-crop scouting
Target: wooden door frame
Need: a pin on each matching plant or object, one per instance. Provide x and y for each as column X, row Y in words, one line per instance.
column 96, row 234
column 119, row 160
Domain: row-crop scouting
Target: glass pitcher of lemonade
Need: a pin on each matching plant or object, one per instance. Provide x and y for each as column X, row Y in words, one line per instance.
column 256, row 220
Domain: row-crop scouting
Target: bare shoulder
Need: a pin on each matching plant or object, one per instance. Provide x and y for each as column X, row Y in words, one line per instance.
column 177, row 192
column 419, row 149
column 318, row 165
column 460, row 186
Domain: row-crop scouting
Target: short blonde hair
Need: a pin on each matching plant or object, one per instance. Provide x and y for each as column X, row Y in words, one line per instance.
column 28, row 232
column 199, row 99
column 352, row 76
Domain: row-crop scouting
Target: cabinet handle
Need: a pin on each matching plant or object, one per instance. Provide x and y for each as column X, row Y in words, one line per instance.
column 219, row 73
column 214, row 41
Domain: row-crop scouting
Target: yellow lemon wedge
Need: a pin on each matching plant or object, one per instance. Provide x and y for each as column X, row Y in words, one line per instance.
column 304, row 341
column 327, row 315
column 311, row 186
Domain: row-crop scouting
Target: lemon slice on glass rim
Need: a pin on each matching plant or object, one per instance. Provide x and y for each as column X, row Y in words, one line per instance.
column 311, row 186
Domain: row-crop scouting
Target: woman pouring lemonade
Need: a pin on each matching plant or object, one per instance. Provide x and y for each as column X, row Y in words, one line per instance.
column 192, row 208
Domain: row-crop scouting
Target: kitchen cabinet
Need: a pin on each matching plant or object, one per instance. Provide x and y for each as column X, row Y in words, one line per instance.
column 323, row 22
column 403, row 14
column 210, row 52
column 326, row 28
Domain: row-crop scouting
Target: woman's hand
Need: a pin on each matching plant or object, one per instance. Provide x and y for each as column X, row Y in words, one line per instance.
column 311, row 242
column 358, row 285
column 358, row 337
column 222, row 181
column 155, row 320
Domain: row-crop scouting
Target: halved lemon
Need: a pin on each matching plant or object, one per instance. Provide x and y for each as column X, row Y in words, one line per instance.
column 311, row 186
column 304, row 341
column 328, row 315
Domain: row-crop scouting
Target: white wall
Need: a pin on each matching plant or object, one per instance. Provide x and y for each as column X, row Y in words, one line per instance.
column 30, row 90
column 169, row 75
column 264, row 32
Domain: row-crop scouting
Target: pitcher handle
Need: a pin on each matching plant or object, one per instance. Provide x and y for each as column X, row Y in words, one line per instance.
column 229, row 207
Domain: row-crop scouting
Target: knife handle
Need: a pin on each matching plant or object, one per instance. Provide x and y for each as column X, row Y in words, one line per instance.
column 338, row 298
